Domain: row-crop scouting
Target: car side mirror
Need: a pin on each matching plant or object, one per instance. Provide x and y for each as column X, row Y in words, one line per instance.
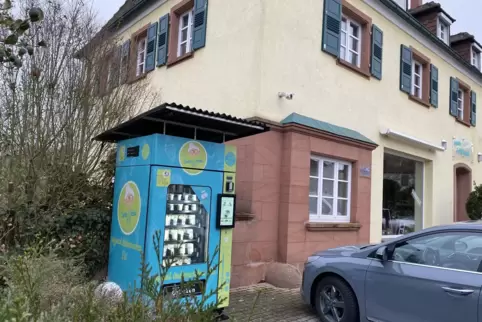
column 382, row 253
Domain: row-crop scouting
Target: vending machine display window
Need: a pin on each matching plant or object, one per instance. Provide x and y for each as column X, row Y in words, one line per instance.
column 186, row 228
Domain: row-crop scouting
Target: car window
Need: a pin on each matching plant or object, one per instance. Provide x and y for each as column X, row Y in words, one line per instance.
column 456, row 250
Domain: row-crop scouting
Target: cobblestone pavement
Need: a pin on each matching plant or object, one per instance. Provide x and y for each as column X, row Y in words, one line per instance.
column 273, row 304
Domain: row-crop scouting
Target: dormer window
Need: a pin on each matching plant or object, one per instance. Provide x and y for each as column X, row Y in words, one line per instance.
column 443, row 30
column 475, row 57
column 403, row 3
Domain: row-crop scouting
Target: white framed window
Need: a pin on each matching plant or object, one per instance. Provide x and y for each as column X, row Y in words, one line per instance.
column 403, row 3
column 330, row 190
column 185, row 34
column 417, row 71
column 460, row 105
column 141, row 56
column 475, row 57
column 122, row 68
column 110, row 67
column 350, row 41
column 443, row 30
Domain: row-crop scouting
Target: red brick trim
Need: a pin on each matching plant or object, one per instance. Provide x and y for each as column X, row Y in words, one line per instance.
column 469, row 170
column 327, row 136
column 177, row 60
column 244, row 216
column 176, row 13
column 133, row 55
column 419, row 100
column 466, row 89
column 275, row 126
column 354, row 68
column 365, row 22
column 318, row 226
column 425, row 62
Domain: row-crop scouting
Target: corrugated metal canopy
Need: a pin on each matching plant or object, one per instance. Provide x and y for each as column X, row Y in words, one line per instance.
column 184, row 121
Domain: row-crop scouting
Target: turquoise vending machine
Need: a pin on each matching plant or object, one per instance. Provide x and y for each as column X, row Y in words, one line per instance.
column 182, row 187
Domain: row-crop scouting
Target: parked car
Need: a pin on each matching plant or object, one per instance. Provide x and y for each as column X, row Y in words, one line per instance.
column 434, row 275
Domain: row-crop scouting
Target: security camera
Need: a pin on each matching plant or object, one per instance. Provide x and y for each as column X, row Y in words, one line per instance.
column 288, row 96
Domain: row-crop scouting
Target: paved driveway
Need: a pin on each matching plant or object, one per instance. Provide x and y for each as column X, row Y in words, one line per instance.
column 267, row 303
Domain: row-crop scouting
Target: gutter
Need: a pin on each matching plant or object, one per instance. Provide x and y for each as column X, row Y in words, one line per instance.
column 416, row 24
column 128, row 13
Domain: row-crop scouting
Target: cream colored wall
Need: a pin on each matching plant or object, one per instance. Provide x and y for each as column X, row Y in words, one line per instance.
column 256, row 48
column 223, row 76
column 326, row 91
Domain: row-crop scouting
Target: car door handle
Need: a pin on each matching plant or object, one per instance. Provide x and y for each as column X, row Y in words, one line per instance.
column 457, row 291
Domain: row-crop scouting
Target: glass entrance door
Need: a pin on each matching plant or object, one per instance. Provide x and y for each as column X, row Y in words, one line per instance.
column 402, row 195
column 182, row 208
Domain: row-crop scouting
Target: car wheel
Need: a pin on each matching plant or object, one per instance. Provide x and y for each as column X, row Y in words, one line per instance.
column 335, row 301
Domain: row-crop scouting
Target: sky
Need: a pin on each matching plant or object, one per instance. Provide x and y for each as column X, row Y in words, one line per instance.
column 466, row 12
column 467, row 15
column 106, row 8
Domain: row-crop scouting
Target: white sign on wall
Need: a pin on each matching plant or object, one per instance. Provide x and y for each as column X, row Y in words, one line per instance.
column 462, row 149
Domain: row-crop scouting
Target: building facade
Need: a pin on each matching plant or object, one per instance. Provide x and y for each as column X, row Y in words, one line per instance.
column 372, row 103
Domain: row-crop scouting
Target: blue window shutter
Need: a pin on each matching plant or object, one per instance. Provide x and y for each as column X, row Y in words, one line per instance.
column 473, row 108
column 125, row 60
column 331, row 27
column 162, row 37
column 377, row 52
column 151, row 47
column 434, row 86
column 405, row 69
column 200, row 24
column 454, row 96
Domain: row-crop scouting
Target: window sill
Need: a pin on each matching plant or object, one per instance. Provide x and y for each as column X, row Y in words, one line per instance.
column 419, row 100
column 462, row 122
column 320, row 226
column 360, row 71
column 244, row 216
column 177, row 60
column 137, row 78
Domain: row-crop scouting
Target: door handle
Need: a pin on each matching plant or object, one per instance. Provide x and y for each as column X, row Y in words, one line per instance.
column 457, row 291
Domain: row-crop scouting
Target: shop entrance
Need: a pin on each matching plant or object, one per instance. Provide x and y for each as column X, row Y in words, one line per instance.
column 463, row 178
column 402, row 195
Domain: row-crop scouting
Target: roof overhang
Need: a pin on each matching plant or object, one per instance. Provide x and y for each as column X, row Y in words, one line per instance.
column 184, row 121
column 432, row 7
column 408, row 139
column 477, row 46
column 445, row 17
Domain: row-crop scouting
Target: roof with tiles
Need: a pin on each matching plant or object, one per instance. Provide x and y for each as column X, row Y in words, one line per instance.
column 429, row 7
column 463, row 36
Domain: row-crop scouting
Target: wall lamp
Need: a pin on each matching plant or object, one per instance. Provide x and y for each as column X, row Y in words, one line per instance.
column 288, row 96
column 444, row 144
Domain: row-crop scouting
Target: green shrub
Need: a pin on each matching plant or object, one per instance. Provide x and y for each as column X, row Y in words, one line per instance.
column 41, row 287
column 473, row 205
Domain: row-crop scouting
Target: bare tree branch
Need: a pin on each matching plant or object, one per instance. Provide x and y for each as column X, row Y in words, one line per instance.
column 52, row 107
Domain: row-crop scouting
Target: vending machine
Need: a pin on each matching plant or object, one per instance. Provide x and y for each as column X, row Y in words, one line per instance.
column 184, row 189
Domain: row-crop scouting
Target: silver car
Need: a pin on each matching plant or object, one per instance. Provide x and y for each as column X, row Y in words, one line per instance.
column 434, row 275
